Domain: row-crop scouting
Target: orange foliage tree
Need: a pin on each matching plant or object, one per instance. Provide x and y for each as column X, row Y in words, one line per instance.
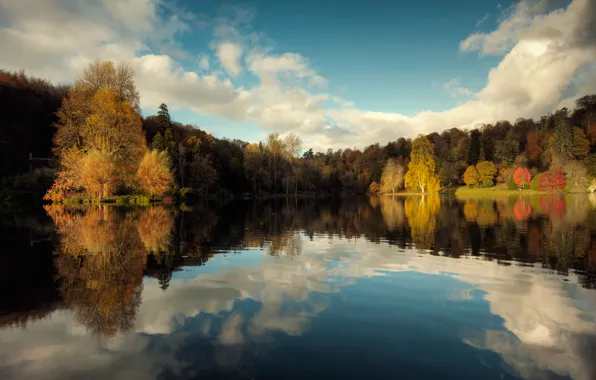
column 100, row 115
column 154, row 174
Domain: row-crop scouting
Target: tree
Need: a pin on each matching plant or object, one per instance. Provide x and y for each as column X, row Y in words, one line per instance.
column 292, row 145
column 421, row 169
column 534, row 145
column 522, row 177
column 98, row 174
column 100, row 114
column 202, row 174
column 275, row 148
column 253, row 164
column 581, row 145
column 507, row 149
column 590, row 163
column 486, row 173
column 374, row 187
column 576, row 176
column 392, row 177
column 475, row 147
column 155, row 174
column 552, row 180
column 471, row 176
column 561, row 142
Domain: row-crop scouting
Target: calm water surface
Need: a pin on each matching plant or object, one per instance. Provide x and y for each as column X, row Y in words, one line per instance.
column 408, row 288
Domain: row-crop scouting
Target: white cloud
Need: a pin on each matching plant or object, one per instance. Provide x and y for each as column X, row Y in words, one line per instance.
column 548, row 61
column 204, row 63
column 454, row 88
column 540, row 336
column 229, row 55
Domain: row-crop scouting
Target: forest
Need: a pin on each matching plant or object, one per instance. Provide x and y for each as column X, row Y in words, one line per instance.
column 89, row 140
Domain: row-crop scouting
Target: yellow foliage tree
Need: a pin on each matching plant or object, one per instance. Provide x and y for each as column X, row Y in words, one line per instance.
column 421, row 169
column 154, row 174
column 422, row 218
column 98, row 174
column 471, row 176
column 99, row 113
column 155, row 229
column 114, row 128
column 486, row 173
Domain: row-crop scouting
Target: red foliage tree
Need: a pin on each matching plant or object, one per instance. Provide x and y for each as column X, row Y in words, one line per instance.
column 522, row 210
column 522, row 177
column 552, row 180
column 551, row 205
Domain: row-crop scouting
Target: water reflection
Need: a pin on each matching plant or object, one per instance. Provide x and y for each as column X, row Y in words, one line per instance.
column 496, row 287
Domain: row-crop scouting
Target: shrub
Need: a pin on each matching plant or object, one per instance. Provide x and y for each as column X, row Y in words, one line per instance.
column 534, row 183
column 373, row 187
column 553, row 180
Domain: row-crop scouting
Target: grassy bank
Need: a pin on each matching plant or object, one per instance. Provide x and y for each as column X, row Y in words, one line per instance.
column 465, row 191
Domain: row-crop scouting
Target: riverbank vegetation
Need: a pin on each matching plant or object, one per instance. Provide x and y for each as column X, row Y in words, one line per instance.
column 89, row 141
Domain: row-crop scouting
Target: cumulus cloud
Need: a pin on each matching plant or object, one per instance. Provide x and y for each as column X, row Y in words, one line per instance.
column 229, row 55
column 548, row 57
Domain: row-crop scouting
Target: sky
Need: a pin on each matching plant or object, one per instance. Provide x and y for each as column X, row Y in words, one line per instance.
column 337, row 73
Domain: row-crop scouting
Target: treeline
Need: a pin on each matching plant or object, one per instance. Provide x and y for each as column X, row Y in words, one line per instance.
column 101, row 146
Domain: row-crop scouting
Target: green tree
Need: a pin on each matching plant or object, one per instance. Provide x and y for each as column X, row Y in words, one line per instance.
column 581, row 146
column 421, row 169
column 475, row 147
column 561, row 142
column 507, row 149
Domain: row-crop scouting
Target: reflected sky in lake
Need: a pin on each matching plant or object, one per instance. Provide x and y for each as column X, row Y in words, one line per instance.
column 377, row 288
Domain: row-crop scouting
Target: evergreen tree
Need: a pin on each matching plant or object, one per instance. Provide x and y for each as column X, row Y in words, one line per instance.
column 475, row 148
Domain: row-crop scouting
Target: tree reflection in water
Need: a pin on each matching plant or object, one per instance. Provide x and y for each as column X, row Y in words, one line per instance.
column 310, row 251
column 102, row 253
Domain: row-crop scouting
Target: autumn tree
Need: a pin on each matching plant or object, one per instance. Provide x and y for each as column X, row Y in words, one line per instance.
column 522, row 177
column 421, row 169
column 155, row 174
column 114, row 128
column 392, row 177
column 534, row 145
column 100, row 114
column 486, row 173
column 98, row 174
column 471, row 176
column 421, row 214
column 75, row 108
column 552, row 180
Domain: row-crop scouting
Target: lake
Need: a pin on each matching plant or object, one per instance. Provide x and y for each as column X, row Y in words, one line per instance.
column 381, row 287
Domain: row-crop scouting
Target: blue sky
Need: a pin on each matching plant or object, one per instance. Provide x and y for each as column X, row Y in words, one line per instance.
column 387, row 56
column 338, row 74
